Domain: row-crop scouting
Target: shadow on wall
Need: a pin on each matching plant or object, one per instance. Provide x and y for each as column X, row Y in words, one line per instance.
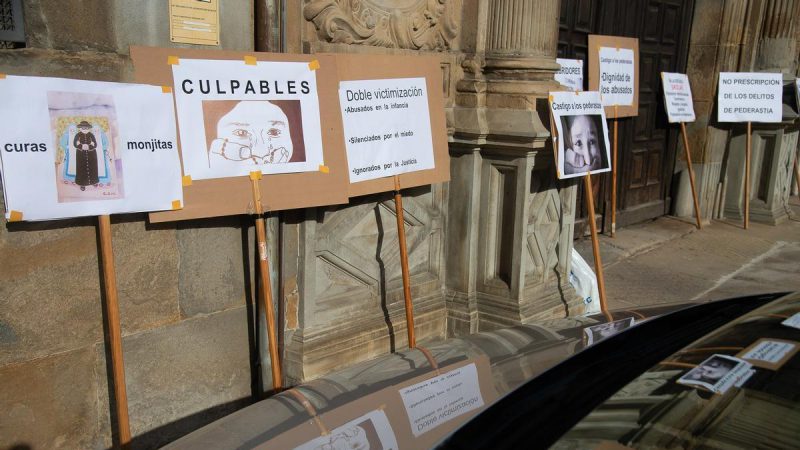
column 165, row 434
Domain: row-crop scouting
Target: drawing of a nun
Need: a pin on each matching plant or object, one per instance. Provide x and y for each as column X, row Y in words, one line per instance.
column 82, row 165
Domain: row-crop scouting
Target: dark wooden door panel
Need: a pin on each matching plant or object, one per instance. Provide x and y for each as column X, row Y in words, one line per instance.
column 647, row 142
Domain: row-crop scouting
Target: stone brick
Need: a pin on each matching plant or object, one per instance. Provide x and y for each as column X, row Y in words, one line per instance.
column 701, row 73
column 183, row 376
column 49, row 289
column 147, row 273
column 705, row 25
column 51, row 403
column 212, row 267
column 55, row 63
column 69, row 25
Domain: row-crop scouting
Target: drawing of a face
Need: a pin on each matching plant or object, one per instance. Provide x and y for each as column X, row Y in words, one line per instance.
column 254, row 131
column 585, row 144
column 354, row 438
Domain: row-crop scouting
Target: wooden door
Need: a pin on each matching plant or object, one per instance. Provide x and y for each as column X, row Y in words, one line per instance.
column 647, row 142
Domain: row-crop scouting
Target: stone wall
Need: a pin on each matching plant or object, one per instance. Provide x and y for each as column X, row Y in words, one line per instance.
column 731, row 36
column 488, row 249
column 185, row 290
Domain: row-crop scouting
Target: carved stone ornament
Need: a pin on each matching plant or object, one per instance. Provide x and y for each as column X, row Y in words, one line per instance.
column 407, row 24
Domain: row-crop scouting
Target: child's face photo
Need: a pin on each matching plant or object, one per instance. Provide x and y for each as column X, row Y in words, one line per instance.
column 585, row 142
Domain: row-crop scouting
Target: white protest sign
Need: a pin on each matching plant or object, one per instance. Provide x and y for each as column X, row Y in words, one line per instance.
column 677, row 97
column 750, row 97
column 617, row 80
column 433, row 402
column 571, row 73
column 387, row 127
column 793, row 321
column 72, row 148
column 582, row 133
column 235, row 118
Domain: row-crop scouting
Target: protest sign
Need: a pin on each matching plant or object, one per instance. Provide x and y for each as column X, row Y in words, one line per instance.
column 75, row 148
column 582, row 133
column 387, row 127
column 254, row 149
column 750, row 97
column 571, row 73
column 614, row 72
column 677, row 97
column 385, row 72
column 235, row 118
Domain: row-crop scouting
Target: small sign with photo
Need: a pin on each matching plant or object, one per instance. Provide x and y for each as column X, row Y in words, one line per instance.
column 583, row 145
column 718, row 374
column 597, row 333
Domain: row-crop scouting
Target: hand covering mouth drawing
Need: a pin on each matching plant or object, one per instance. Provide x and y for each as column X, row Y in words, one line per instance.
column 255, row 132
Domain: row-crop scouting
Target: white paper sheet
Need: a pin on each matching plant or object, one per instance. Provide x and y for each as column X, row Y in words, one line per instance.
column 677, row 97
column 571, row 73
column 617, row 71
column 750, row 97
column 235, row 118
column 125, row 160
column 370, row 431
column 387, row 127
column 432, row 402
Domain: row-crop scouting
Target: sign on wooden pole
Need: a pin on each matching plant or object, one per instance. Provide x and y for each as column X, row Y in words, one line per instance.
column 749, row 97
column 77, row 148
column 241, row 115
column 581, row 146
column 614, row 72
column 680, row 108
column 394, row 132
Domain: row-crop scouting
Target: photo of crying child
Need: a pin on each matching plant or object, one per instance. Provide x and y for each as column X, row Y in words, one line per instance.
column 584, row 144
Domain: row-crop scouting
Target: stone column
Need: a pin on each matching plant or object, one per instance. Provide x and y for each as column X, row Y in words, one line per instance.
column 509, row 198
column 777, row 48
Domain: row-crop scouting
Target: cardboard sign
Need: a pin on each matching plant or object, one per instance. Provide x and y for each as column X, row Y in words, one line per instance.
column 750, row 97
column 677, row 97
column 385, row 70
column 614, row 72
column 74, row 148
column 583, row 145
column 718, row 373
column 769, row 353
column 383, row 417
column 387, row 127
column 236, row 118
column 194, row 21
column 570, row 74
column 229, row 196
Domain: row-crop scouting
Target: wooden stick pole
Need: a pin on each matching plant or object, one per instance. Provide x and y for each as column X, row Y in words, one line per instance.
column 114, row 330
column 401, row 237
column 747, row 179
column 598, row 263
column 797, row 174
column 266, row 286
column 691, row 176
column 614, row 175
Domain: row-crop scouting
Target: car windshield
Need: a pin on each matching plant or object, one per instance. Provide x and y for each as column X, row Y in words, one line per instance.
column 733, row 386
